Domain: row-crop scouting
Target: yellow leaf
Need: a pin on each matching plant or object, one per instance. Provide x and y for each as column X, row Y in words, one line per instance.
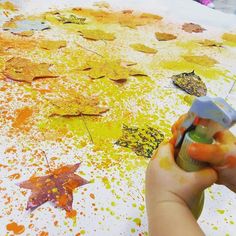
column 8, row 6
column 143, row 48
column 24, row 33
column 77, row 106
column 165, row 36
column 201, row 60
column 210, row 43
column 151, row 16
column 229, row 37
column 102, row 4
column 52, row 45
column 97, row 35
column 21, row 69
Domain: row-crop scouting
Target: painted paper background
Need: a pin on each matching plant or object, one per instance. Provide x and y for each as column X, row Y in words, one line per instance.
column 137, row 92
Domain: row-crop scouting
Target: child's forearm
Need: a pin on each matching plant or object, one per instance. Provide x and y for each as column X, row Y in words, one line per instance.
column 169, row 218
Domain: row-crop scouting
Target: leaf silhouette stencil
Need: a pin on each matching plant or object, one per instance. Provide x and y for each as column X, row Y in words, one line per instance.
column 201, row 60
column 78, row 106
column 52, row 45
column 165, row 36
column 57, row 187
column 229, row 37
column 143, row 48
column 21, row 69
column 192, row 28
column 97, row 35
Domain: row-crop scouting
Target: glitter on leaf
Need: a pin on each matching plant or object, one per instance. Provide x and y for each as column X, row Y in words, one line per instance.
column 190, row 83
column 143, row 141
column 192, row 28
column 57, row 187
column 165, row 36
column 143, row 48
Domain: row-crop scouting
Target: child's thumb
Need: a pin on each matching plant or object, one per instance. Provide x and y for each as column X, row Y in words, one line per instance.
column 204, row 178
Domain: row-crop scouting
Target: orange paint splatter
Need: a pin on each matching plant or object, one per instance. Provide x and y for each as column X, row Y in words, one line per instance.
column 14, row 176
column 22, row 116
column 92, row 195
column 71, row 214
column 43, row 233
column 17, row 229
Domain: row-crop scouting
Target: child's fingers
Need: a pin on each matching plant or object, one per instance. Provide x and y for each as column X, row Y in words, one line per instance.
column 225, row 137
column 204, row 178
column 214, row 154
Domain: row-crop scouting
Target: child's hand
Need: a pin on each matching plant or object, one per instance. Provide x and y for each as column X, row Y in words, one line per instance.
column 221, row 155
column 166, row 182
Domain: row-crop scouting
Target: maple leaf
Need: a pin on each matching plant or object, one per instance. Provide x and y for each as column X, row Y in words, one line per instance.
column 201, row 60
column 229, row 37
column 57, row 187
column 210, row 43
column 165, row 36
column 97, row 35
column 192, row 28
column 190, row 83
column 113, row 70
column 52, row 45
column 22, row 69
column 143, row 141
column 77, row 106
column 143, row 48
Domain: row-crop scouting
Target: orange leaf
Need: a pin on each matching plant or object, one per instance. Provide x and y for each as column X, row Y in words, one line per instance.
column 21, row 69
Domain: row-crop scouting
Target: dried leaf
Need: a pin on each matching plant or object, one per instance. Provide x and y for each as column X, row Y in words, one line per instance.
column 97, row 35
column 190, row 83
column 57, row 187
column 151, row 16
column 229, row 37
column 201, row 60
column 52, row 45
column 192, row 28
column 8, row 6
column 165, row 36
column 143, row 48
column 71, row 19
column 143, row 141
column 77, row 106
column 21, row 69
column 24, row 33
column 102, row 4
column 210, row 43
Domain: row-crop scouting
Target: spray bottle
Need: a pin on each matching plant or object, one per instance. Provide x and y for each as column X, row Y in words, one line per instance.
column 218, row 115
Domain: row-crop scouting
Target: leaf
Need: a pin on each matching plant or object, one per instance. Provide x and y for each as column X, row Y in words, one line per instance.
column 24, row 33
column 210, row 43
column 97, row 35
column 143, row 141
column 8, row 6
column 113, row 70
column 21, row 69
column 143, row 48
column 201, row 60
column 71, row 19
column 190, row 83
column 52, row 45
column 192, row 28
column 102, row 4
column 229, row 37
column 77, row 106
column 164, row 36
column 151, row 16
column 57, row 187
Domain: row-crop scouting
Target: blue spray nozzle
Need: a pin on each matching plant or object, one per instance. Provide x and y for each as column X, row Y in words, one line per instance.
column 214, row 109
